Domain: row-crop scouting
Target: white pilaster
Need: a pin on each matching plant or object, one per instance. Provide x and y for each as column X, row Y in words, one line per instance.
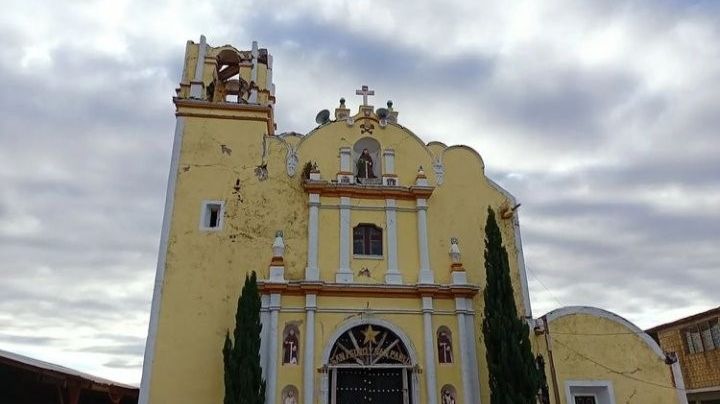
column 521, row 267
column 393, row 273
column 149, row 357
column 253, row 74
column 472, row 349
column 388, row 175
column 426, row 275
column 309, row 360
column 270, row 86
column 196, row 85
column 344, row 274
column 345, row 159
column 265, row 322
column 312, row 273
column 275, row 300
column 431, row 380
column 460, row 309
column 679, row 382
column 345, row 176
column 389, row 156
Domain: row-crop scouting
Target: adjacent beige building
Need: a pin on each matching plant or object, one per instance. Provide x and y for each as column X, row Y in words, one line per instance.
column 696, row 342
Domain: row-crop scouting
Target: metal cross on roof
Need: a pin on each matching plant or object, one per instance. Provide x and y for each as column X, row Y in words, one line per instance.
column 365, row 92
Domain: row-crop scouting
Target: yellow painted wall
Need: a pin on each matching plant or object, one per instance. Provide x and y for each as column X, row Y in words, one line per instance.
column 204, row 270
column 587, row 347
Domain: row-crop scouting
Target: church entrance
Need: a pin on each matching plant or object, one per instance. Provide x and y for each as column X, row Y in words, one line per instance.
column 370, row 364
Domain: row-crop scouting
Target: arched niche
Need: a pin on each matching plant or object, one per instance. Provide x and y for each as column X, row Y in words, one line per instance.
column 366, row 173
column 448, row 394
column 291, row 345
column 443, row 339
column 289, row 395
column 228, row 86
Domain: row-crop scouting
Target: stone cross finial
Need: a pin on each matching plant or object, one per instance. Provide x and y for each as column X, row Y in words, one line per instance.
column 365, row 92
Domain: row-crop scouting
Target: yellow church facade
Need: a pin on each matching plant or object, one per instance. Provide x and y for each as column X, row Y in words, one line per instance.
column 368, row 243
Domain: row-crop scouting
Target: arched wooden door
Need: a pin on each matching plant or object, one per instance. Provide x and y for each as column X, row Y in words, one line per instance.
column 370, row 364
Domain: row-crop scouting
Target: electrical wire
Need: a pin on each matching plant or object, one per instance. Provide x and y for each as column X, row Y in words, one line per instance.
column 615, row 371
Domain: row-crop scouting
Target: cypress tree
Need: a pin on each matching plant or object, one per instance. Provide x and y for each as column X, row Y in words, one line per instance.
column 243, row 375
column 513, row 376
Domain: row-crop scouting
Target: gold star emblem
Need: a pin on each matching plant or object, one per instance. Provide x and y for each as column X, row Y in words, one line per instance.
column 370, row 335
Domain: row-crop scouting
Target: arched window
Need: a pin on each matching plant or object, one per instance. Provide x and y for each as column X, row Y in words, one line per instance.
column 367, row 240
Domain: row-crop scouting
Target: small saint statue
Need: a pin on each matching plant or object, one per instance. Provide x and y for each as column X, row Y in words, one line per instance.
column 445, row 354
column 290, row 397
column 290, row 348
column 447, row 397
column 365, row 165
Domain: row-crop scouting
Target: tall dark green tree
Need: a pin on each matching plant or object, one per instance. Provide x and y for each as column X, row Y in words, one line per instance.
column 514, row 378
column 241, row 355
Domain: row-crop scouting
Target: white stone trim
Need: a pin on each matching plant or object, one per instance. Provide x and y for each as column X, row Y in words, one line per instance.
column 348, row 324
column 275, row 304
column 368, row 208
column 429, row 341
column 149, row 357
column 680, row 390
column 264, row 332
column 204, row 213
column 389, row 156
column 309, row 360
column 594, row 311
column 602, row 384
column 269, row 81
column 459, row 277
column 277, row 274
column 345, row 153
column 393, row 273
column 337, row 310
column 368, row 257
column 344, row 274
column 312, row 273
column 426, row 275
column 252, row 99
column 472, row 350
column 465, row 364
column 196, row 85
column 518, row 247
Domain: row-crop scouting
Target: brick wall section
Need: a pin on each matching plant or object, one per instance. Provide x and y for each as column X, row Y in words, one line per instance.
column 700, row 370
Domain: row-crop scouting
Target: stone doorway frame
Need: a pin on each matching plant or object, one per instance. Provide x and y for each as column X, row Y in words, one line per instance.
column 347, row 325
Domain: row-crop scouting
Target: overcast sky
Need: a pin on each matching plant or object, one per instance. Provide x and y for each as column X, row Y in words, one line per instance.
column 601, row 117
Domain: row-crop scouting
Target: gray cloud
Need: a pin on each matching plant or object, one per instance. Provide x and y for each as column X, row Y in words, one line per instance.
column 602, row 123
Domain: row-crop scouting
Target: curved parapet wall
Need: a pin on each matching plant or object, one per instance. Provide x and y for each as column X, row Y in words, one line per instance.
column 596, row 352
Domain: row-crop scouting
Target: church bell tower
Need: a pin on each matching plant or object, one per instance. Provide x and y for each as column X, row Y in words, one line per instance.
column 224, row 113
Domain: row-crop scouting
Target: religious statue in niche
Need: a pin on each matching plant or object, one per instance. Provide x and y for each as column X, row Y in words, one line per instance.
column 290, row 346
column 448, row 396
column 289, row 395
column 365, row 165
column 444, row 346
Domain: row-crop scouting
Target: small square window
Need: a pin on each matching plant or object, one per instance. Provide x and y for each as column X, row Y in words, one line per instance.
column 211, row 216
column 367, row 240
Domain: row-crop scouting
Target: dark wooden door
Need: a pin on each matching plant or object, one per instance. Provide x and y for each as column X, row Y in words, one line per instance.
column 371, row 385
